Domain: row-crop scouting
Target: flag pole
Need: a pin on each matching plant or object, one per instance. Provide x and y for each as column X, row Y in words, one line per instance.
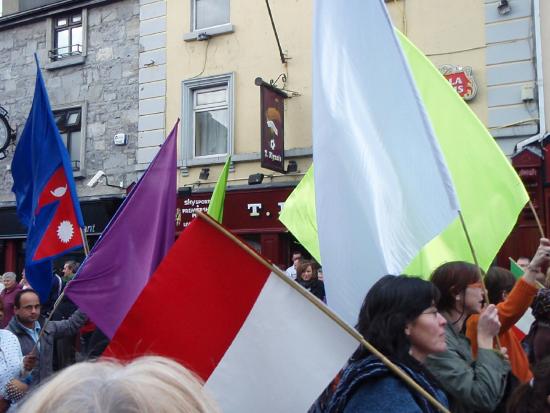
column 534, row 211
column 43, row 328
column 485, row 293
column 328, row 312
column 85, row 242
column 62, row 295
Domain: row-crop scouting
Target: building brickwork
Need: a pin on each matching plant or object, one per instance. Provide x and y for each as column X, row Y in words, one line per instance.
column 104, row 82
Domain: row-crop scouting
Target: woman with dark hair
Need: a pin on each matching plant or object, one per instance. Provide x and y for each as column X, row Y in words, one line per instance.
column 306, row 276
column 472, row 386
column 533, row 396
column 399, row 317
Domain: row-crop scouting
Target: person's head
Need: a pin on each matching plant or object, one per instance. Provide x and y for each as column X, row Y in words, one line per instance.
column 306, row 271
column 541, row 305
column 146, row 385
column 460, row 286
column 399, row 317
column 26, row 307
column 296, row 257
column 9, row 280
column 499, row 282
column 533, row 396
column 70, row 268
column 523, row 262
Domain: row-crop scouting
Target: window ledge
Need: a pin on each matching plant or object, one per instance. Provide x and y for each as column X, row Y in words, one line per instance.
column 244, row 157
column 213, row 160
column 66, row 62
column 210, row 31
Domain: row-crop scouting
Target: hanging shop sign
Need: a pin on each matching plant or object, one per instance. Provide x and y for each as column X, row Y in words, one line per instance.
column 462, row 79
column 272, row 108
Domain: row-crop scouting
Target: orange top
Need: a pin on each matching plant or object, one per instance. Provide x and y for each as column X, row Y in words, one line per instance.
column 509, row 312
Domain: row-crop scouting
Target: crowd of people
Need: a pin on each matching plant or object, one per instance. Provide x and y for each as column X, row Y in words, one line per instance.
column 456, row 342
column 455, row 336
column 307, row 273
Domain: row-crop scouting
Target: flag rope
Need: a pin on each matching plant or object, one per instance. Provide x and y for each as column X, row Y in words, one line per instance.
column 328, row 312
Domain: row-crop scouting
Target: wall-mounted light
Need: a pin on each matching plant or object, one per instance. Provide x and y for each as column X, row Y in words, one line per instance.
column 185, row 190
column 504, row 7
column 291, row 167
column 255, row 179
column 205, row 173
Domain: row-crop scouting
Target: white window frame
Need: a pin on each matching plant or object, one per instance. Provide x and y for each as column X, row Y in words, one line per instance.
column 189, row 87
column 206, row 32
column 80, row 173
column 50, row 43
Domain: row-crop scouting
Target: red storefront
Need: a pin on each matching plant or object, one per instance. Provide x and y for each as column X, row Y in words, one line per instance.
column 533, row 166
column 253, row 214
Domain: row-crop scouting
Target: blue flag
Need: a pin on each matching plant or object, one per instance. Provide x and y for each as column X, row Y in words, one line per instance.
column 46, row 199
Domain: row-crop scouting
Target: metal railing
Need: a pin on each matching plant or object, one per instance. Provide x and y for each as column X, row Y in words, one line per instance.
column 67, row 51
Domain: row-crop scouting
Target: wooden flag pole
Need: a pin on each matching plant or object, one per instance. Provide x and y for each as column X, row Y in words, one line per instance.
column 534, row 211
column 85, row 242
column 541, row 231
column 62, row 295
column 328, row 312
column 476, row 262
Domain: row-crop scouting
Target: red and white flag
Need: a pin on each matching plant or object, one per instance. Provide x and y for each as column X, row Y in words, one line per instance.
column 218, row 308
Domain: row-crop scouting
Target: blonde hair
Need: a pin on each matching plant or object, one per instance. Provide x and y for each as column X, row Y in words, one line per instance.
column 146, row 385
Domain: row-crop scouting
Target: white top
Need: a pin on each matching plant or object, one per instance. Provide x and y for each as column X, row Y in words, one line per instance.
column 291, row 272
column 11, row 359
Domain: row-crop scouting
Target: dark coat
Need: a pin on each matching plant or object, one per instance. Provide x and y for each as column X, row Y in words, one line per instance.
column 315, row 287
column 8, row 298
column 54, row 329
column 367, row 385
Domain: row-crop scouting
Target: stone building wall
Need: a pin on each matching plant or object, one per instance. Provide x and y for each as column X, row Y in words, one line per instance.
column 106, row 84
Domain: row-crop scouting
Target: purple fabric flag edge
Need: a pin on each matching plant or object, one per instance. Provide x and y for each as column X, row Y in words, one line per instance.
column 132, row 246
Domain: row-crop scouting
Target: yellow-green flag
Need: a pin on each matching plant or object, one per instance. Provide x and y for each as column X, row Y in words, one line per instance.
column 490, row 192
column 299, row 215
column 215, row 208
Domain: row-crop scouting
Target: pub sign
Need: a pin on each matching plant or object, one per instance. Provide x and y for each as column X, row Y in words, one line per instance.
column 461, row 79
column 272, row 152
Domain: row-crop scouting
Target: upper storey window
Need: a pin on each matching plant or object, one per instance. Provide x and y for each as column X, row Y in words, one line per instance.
column 68, row 39
column 210, row 13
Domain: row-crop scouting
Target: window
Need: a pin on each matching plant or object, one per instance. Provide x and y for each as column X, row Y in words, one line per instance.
column 211, row 121
column 208, row 113
column 67, row 36
column 66, row 39
column 208, row 18
column 69, row 124
column 210, row 13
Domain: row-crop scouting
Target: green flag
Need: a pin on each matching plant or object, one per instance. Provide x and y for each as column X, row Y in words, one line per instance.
column 215, row 209
column 490, row 192
column 515, row 269
column 299, row 215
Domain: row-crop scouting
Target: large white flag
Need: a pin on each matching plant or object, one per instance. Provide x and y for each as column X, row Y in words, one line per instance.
column 382, row 186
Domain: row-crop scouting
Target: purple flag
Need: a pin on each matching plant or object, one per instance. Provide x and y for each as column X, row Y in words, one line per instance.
column 132, row 246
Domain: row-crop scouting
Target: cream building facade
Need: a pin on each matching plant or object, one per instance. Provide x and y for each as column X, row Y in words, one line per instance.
column 206, row 55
